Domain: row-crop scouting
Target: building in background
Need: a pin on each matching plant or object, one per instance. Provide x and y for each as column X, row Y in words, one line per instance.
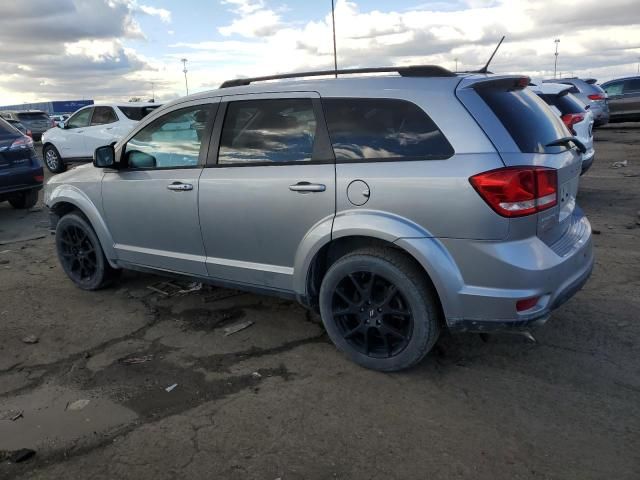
column 51, row 108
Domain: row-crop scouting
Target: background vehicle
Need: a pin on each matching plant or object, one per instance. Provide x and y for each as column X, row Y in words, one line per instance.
column 89, row 128
column 58, row 118
column 576, row 115
column 624, row 99
column 35, row 120
column 24, row 130
column 21, row 173
column 396, row 205
column 590, row 94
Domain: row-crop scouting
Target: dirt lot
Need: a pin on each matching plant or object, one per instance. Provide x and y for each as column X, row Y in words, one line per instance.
column 277, row 401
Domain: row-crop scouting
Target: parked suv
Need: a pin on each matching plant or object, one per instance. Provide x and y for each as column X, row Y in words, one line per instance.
column 35, row 120
column 90, row 127
column 20, row 170
column 590, row 94
column 396, row 205
column 576, row 115
column 624, row 99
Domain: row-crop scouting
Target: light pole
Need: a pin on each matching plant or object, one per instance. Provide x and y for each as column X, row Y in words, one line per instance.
column 153, row 92
column 184, row 70
column 638, row 65
column 555, row 64
column 456, row 59
column 335, row 52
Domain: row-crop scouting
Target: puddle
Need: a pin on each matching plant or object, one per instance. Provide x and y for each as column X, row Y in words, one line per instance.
column 47, row 423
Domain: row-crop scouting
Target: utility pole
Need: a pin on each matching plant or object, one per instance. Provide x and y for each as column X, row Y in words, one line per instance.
column 555, row 65
column 153, row 92
column 638, row 65
column 456, row 59
column 184, row 70
column 335, row 51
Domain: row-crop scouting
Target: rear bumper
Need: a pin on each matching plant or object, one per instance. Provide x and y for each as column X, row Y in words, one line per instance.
column 21, row 180
column 493, row 276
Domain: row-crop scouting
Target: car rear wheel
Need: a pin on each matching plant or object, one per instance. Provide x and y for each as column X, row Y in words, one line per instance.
column 52, row 159
column 379, row 309
column 24, row 199
column 81, row 255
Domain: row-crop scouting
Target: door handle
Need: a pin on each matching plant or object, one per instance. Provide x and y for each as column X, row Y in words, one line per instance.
column 180, row 187
column 306, row 187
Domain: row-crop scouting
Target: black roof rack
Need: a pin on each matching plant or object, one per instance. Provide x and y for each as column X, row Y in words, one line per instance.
column 410, row 71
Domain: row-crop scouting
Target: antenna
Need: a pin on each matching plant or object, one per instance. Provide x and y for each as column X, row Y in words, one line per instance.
column 485, row 69
column 335, row 54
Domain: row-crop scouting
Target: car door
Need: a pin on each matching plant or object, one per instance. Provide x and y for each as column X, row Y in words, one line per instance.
column 101, row 129
column 630, row 103
column 614, row 92
column 151, row 201
column 269, row 180
column 72, row 140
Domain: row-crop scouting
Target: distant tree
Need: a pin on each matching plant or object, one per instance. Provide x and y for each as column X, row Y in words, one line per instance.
column 135, row 99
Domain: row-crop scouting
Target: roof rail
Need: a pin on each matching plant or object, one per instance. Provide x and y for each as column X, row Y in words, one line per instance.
column 410, row 71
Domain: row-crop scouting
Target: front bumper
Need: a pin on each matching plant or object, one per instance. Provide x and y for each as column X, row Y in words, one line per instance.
column 495, row 275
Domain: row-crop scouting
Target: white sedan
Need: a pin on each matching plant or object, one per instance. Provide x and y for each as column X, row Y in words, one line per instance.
column 89, row 128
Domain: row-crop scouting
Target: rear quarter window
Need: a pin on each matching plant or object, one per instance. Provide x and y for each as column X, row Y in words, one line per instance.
column 529, row 121
column 382, row 129
column 137, row 113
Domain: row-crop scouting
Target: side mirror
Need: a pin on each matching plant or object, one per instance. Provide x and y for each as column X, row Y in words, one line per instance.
column 61, row 125
column 104, row 157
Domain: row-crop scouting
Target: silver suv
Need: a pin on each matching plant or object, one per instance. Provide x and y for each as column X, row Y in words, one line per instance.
column 396, row 205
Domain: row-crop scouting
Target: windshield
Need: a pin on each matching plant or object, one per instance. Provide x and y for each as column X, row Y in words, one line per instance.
column 529, row 121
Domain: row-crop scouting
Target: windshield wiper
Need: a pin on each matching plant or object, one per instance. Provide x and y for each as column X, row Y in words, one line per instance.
column 567, row 141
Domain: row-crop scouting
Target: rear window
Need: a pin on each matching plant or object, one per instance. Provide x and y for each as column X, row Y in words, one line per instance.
column 30, row 116
column 383, row 129
column 137, row 113
column 565, row 103
column 6, row 130
column 531, row 124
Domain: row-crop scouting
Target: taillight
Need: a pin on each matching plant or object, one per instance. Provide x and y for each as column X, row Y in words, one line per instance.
column 22, row 142
column 526, row 304
column 570, row 119
column 29, row 134
column 597, row 96
column 518, row 191
column 38, row 178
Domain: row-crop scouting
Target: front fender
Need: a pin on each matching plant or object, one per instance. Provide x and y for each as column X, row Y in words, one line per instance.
column 70, row 194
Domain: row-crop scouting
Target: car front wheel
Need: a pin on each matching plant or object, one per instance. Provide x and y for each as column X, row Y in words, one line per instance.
column 52, row 159
column 81, row 255
column 379, row 309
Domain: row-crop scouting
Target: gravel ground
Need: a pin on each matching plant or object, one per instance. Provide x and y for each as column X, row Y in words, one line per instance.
column 277, row 401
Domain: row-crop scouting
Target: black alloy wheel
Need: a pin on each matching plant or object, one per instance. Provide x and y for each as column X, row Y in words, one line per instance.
column 78, row 254
column 372, row 315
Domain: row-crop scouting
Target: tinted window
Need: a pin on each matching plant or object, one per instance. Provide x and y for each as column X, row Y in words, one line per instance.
column 632, row 85
column 7, row 131
column 103, row 115
column 80, row 119
column 171, row 141
column 30, row 116
column 272, row 131
column 382, row 129
column 566, row 103
column 137, row 113
column 531, row 124
column 614, row 88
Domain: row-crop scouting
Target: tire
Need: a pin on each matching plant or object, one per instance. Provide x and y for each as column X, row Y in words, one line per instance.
column 380, row 336
column 53, row 160
column 24, row 200
column 81, row 255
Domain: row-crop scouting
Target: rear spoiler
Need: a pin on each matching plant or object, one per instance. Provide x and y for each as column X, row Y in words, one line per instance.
column 498, row 82
column 591, row 81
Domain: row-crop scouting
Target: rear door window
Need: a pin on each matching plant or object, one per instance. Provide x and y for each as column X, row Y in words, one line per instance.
column 614, row 88
column 103, row 116
column 268, row 131
column 382, row 129
column 531, row 124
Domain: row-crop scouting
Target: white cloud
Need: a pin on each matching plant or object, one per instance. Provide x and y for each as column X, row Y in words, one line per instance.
column 162, row 13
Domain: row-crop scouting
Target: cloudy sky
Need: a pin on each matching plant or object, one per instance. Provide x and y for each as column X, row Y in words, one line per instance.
column 116, row 49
